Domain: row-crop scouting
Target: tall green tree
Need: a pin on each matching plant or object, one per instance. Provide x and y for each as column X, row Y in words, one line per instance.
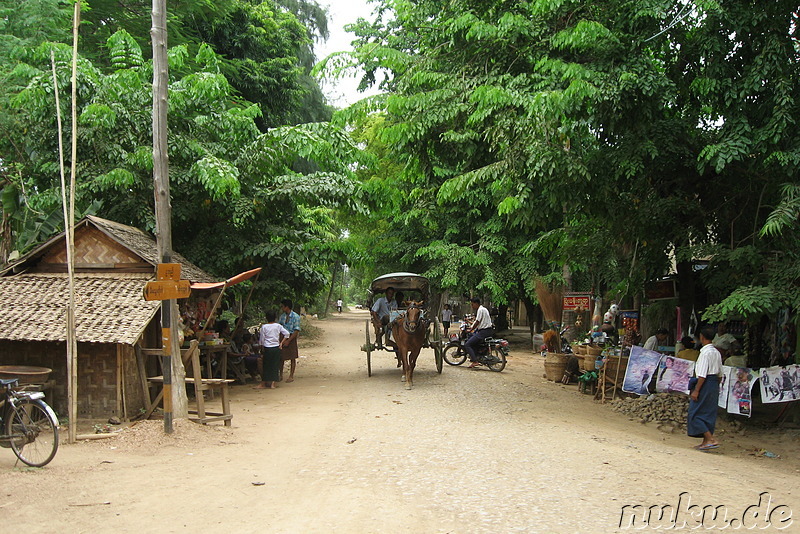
column 610, row 134
column 265, row 47
column 238, row 201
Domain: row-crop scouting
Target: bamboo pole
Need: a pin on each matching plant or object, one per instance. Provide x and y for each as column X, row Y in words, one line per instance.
column 73, row 360
column 240, row 321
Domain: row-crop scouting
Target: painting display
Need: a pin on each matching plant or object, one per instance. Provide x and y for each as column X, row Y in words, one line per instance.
column 739, row 382
column 722, row 402
column 780, row 384
column 652, row 372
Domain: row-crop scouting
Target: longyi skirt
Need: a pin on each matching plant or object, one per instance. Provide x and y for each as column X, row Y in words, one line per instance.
column 271, row 364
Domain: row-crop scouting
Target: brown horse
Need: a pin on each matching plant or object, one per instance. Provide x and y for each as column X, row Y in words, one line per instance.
column 409, row 332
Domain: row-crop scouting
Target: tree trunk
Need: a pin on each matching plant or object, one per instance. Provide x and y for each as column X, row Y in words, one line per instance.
column 530, row 312
column 333, row 285
column 501, row 324
column 175, row 402
column 685, row 293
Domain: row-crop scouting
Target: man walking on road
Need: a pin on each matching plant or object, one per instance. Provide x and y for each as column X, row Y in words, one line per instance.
column 481, row 328
column 290, row 320
column 704, row 393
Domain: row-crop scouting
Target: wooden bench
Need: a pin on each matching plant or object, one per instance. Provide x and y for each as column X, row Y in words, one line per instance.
column 191, row 361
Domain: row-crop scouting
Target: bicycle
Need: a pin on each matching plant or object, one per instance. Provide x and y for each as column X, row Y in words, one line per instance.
column 28, row 425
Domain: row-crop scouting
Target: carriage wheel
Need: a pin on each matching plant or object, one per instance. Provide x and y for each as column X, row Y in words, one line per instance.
column 437, row 345
column 437, row 354
column 368, row 348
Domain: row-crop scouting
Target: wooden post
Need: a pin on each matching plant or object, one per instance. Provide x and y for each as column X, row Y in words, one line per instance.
column 175, row 401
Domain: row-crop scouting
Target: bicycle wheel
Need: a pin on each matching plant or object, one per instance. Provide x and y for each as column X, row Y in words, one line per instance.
column 33, row 431
column 497, row 361
column 454, row 354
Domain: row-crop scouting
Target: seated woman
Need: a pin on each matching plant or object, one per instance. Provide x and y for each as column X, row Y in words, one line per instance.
column 252, row 358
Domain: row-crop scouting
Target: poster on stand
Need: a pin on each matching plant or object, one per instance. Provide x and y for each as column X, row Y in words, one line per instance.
column 780, row 384
column 641, row 372
column 652, row 372
column 740, row 381
column 722, row 402
column 674, row 374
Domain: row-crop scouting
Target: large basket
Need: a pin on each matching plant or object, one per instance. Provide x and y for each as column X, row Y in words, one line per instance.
column 580, row 350
column 27, row 374
column 555, row 363
column 614, row 363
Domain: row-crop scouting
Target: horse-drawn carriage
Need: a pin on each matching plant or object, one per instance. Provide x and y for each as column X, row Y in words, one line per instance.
column 410, row 325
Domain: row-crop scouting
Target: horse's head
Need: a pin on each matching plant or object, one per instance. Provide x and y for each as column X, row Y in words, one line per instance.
column 413, row 315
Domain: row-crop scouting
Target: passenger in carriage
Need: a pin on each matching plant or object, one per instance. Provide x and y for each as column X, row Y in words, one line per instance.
column 381, row 311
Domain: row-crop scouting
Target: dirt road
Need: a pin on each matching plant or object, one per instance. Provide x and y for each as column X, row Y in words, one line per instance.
column 464, row 451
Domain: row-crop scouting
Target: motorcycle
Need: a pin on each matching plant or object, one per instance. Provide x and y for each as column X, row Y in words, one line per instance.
column 492, row 352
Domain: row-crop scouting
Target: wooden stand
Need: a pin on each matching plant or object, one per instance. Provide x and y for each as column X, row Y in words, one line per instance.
column 610, row 379
column 191, row 361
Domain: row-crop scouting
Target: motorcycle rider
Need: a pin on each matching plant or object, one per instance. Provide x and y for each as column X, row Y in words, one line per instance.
column 481, row 329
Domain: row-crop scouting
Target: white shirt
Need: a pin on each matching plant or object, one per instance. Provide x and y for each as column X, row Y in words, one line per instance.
column 709, row 362
column 339, row 303
column 482, row 318
column 446, row 315
column 651, row 343
column 382, row 307
column 270, row 333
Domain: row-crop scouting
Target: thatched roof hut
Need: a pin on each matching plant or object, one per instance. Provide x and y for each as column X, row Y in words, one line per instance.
column 112, row 263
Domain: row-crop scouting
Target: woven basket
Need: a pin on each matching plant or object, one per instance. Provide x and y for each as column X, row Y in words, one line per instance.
column 580, row 350
column 612, row 364
column 555, row 363
column 27, row 374
column 594, row 351
column 589, row 363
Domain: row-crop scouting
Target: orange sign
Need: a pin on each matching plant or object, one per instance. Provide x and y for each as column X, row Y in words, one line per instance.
column 168, row 271
column 167, row 290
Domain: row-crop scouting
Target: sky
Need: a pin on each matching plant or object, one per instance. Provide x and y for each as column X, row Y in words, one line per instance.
column 342, row 92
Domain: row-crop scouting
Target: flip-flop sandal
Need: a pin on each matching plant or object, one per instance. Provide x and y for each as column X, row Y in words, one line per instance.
column 708, row 447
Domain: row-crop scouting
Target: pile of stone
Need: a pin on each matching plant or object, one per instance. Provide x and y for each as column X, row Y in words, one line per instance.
column 666, row 409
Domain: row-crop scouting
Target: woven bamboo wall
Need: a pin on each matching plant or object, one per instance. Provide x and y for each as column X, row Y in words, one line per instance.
column 92, row 247
column 97, row 375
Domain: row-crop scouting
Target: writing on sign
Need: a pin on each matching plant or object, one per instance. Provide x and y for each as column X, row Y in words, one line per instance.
column 576, row 302
column 168, row 271
column 167, row 290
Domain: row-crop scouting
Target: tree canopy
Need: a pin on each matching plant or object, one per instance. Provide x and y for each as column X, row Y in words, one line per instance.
column 601, row 140
column 242, row 196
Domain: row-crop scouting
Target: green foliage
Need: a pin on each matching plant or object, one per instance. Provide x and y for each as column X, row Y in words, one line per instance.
column 747, row 302
column 596, row 136
column 240, row 198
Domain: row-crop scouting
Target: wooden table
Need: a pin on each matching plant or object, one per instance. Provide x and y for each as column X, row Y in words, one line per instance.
column 212, row 352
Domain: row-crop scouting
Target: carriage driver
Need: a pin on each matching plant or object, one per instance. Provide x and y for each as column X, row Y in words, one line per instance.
column 481, row 328
column 381, row 311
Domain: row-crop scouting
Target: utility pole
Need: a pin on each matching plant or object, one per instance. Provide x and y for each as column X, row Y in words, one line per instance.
column 175, row 402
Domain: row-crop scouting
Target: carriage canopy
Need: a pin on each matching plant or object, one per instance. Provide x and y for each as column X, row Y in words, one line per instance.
column 401, row 282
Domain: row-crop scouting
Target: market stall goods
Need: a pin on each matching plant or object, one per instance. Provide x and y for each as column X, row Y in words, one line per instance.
column 555, row 364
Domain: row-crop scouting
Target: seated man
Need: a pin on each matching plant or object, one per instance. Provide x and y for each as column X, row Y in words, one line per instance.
column 481, row 328
column 381, row 311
